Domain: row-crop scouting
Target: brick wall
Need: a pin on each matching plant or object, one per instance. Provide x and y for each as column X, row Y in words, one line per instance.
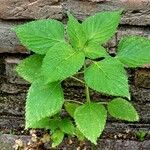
column 13, row 89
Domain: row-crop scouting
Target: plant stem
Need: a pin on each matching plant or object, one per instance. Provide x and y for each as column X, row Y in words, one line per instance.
column 87, row 93
column 80, row 72
column 77, row 79
column 104, row 103
column 67, row 100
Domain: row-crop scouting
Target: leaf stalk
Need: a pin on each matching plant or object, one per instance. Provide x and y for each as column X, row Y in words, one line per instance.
column 77, row 79
column 68, row 100
column 87, row 93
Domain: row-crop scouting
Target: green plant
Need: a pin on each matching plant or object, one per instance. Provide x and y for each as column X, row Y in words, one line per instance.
column 141, row 135
column 58, row 58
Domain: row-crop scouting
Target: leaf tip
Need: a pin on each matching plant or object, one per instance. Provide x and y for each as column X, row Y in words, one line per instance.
column 13, row 29
column 120, row 11
column 69, row 14
column 26, row 126
column 94, row 142
column 129, row 97
column 137, row 117
column 17, row 69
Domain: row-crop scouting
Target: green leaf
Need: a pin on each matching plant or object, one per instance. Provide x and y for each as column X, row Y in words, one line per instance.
column 43, row 101
column 54, row 124
column 42, row 124
column 30, row 68
column 94, row 50
column 108, row 76
column 122, row 109
column 67, row 126
column 79, row 135
column 75, row 32
column 70, row 108
column 61, row 61
column 134, row 51
column 90, row 119
column 57, row 138
column 102, row 26
column 39, row 36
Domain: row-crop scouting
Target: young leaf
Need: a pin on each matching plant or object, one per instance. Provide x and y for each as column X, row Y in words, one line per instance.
column 94, row 50
column 108, row 76
column 57, row 138
column 54, row 124
column 74, row 30
column 122, row 109
column 90, row 119
column 70, row 108
column 30, row 68
column 134, row 51
column 61, row 61
column 42, row 124
column 43, row 101
column 67, row 126
column 39, row 36
column 102, row 26
column 79, row 135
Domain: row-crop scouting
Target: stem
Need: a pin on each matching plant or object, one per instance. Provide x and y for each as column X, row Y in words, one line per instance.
column 74, row 101
column 105, row 103
column 80, row 72
column 87, row 93
column 77, row 79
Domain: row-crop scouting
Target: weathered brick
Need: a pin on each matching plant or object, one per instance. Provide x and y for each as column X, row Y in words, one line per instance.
column 7, row 141
column 9, row 88
column 11, row 123
column 8, row 40
column 140, row 94
column 143, row 111
column 133, row 17
column 111, row 144
column 116, row 127
column 11, row 74
column 129, row 4
column 22, row 9
column 111, row 45
column 125, row 31
column 112, row 42
column 2, row 67
column 82, row 9
column 12, row 105
column 99, row 0
column 135, row 4
column 142, row 78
